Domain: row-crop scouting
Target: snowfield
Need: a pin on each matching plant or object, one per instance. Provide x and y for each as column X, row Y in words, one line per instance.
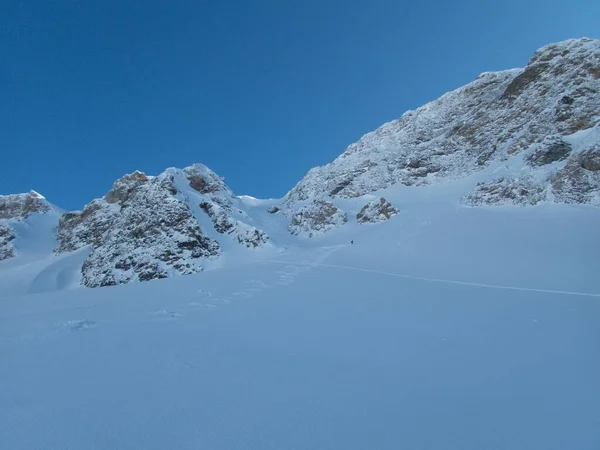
column 446, row 327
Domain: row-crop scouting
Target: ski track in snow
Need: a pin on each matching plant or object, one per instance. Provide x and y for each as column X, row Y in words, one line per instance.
column 440, row 280
column 209, row 301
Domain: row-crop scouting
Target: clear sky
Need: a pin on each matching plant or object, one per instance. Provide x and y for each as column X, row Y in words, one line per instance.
column 258, row 90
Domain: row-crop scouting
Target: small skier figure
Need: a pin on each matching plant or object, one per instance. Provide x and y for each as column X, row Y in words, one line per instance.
column 351, row 242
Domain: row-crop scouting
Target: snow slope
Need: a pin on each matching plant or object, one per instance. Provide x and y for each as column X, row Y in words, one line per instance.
column 445, row 327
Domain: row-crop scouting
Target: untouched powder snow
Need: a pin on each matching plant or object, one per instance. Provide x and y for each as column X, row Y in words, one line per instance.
column 446, row 327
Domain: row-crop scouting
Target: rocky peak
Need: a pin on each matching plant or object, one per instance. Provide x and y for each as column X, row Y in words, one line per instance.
column 149, row 227
column 124, row 186
column 138, row 231
column 20, row 206
column 205, row 181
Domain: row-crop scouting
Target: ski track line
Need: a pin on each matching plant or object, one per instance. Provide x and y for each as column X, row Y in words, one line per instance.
column 440, row 280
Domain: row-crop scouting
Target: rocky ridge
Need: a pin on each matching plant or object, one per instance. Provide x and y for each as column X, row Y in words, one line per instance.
column 496, row 117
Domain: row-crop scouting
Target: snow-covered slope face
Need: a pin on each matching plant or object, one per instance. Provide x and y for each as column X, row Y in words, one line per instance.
column 443, row 328
column 497, row 117
column 27, row 224
column 153, row 227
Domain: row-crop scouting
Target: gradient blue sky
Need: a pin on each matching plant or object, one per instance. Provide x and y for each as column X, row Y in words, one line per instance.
column 260, row 91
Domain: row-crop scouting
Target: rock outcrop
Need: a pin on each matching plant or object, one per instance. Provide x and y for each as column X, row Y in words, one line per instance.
column 579, row 180
column 376, row 211
column 17, row 208
column 552, row 149
column 506, row 191
column 149, row 227
column 316, row 218
column 565, row 170
column 223, row 223
column 21, row 206
column 138, row 231
column 6, row 238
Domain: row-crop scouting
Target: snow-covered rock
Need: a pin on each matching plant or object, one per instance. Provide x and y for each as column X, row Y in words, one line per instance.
column 21, row 206
column 223, row 223
column 550, row 150
column 316, row 218
column 564, row 170
column 149, row 227
column 579, row 180
column 138, row 231
column 18, row 210
column 6, row 238
column 376, row 211
column 494, row 118
column 506, row 191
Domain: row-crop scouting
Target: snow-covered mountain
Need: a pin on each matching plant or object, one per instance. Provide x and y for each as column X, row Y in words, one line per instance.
column 532, row 115
column 430, row 289
column 518, row 137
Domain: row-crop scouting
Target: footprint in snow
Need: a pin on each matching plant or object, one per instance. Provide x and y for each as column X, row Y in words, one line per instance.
column 242, row 294
column 257, row 284
column 77, row 325
column 168, row 314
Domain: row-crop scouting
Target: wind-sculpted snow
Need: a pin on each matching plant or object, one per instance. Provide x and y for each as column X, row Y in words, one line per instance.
column 494, row 118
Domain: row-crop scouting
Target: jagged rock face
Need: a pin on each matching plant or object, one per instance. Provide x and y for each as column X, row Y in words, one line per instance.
column 376, row 211
column 20, row 206
column 6, row 238
column 223, row 223
column 139, row 231
column 204, row 180
column 497, row 116
column 552, row 149
column 506, row 191
column 316, row 218
column 559, row 172
column 579, row 180
column 124, row 186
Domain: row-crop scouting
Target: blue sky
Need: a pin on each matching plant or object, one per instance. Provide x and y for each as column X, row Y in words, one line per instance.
column 260, row 91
